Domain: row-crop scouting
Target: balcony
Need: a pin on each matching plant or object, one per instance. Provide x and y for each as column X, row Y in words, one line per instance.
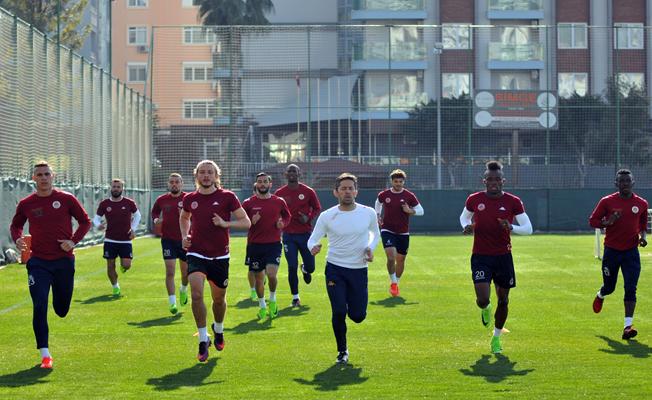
column 375, row 56
column 515, row 9
column 516, row 56
column 388, row 9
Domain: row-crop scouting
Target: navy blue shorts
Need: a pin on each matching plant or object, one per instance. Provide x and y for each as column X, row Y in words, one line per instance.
column 113, row 250
column 172, row 250
column 627, row 261
column 259, row 255
column 401, row 242
column 500, row 269
column 216, row 271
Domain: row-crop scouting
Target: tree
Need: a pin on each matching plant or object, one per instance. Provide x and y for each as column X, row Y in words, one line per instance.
column 222, row 15
column 42, row 14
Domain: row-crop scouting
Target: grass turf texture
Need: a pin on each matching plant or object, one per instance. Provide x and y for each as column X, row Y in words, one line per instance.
column 427, row 343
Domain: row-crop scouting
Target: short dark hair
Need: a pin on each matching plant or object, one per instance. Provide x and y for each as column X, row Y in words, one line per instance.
column 265, row 174
column 494, row 166
column 293, row 166
column 623, row 171
column 398, row 173
column 345, row 176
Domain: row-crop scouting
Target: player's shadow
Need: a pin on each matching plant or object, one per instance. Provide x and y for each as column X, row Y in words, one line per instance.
column 393, row 302
column 250, row 326
column 246, row 303
column 189, row 377
column 334, row 377
column 495, row 372
column 290, row 311
column 171, row 320
column 105, row 298
column 633, row 348
column 26, row 377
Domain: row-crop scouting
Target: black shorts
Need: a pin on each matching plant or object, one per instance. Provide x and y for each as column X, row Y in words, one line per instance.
column 259, row 255
column 401, row 242
column 500, row 269
column 216, row 271
column 172, row 250
column 113, row 250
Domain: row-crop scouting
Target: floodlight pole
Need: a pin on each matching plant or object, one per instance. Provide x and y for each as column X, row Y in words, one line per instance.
column 437, row 50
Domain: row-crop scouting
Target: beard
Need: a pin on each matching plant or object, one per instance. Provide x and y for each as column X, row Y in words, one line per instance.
column 174, row 191
column 206, row 186
column 116, row 194
column 262, row 191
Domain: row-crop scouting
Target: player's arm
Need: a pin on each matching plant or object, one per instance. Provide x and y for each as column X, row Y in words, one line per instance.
column 642, row 241
column 285, row 214
column 599, row 219
column 317, row 233
column 242, row 221
column 378, row 206
column 524, row 226
column 315, row 206
column 83, row 226
column 97, row 219
column 16, row 228
column 466, row 220
column 135, row 221
column 418, row 210
column 374, row 237
column 156, row 212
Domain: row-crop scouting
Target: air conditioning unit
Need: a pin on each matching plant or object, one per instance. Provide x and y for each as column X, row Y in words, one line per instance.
column 216, row 48
column 142, row 49
column 215, row 85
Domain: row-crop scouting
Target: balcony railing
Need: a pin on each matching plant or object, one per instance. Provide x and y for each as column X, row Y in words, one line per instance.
column 389, row 5
column 515, row 5
column 400, row 51
column 515, row 52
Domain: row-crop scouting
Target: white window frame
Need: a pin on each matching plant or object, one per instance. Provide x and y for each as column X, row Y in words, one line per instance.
column 209, row 41
column 188, row 4
column 454, row 28
column 470, row 75
column 196, row 65
column 574, row 78
column 137, row 27
column 129, row 5
column 573, row 26
column 135, row 64
column 208, row 102
column 628, row 29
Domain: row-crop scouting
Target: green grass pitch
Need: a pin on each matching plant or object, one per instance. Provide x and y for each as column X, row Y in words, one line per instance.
column 428, row 343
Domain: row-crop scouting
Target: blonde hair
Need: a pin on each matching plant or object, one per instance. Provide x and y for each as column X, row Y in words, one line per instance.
column 218, row 171
column 398, row 173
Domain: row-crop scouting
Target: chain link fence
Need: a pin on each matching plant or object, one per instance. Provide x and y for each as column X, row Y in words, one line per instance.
column 56, row 106
column 561, row 107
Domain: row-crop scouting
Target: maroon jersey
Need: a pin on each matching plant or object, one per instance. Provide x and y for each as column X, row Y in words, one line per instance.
column 270, row 210
column 208, row 240
column 300, row 200
column 118, row 216
column 49, row 222
column 168, row 208
column 623, row 234
column 395, row 220
column 489, row 237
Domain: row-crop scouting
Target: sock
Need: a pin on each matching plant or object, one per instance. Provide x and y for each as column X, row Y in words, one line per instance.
column 183, row 288
column 628, row 321
column 600, row 294
column 398, row 280
column 272, row 296
column 45, row 352
column 498, row 331
column 117, row 285
column 172, row 299
column 261, row 302
column 393, row 277
column 253, row 289
column 295, row 296
column 219, row 327
column 203, row 334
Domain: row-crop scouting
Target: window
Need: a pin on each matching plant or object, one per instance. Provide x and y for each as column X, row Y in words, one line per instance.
column 456, row 36
column 137, row 35
column 571, row 36
column 515, row 81
column 137, row 3
column 191, row 3
column 199, row 109
column 197, row 72
column 136, row 72
column 628, row 81
column 628, row 36
column 455, row 85
column 572, row 82
column 407, row 91
column 198, row 35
